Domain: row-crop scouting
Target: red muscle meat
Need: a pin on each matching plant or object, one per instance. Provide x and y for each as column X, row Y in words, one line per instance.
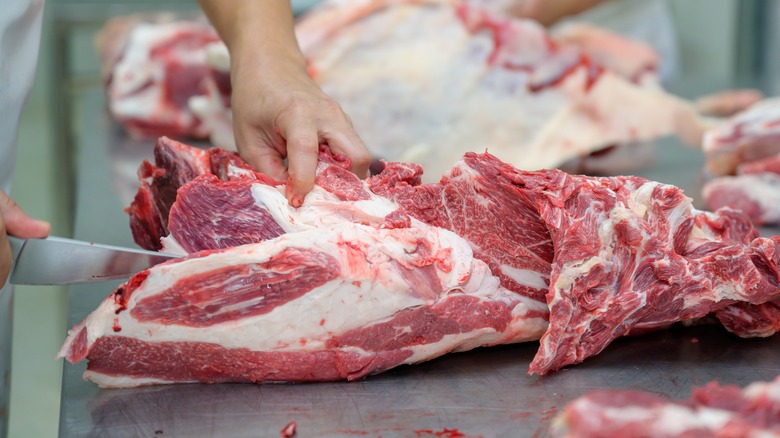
column 368, row 275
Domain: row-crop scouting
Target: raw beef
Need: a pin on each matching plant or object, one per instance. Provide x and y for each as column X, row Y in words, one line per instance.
column 751, row 135
column 427, row 81
column 748, row 146
column 628, row 254
column 346, row 285
column 622, row 254
column 152, row 65
column 713, row 410
column 755, row 189
column 313, row 305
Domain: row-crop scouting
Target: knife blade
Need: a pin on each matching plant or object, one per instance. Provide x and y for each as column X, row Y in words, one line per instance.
column 57, row 260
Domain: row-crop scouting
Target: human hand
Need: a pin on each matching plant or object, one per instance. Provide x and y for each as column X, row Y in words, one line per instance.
column 279, row 112
column 14, row 221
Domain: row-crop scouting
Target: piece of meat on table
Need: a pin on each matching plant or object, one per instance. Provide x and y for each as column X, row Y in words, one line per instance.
column 712, row 410
column 628, row 254
column 751, row 135
column 342, row 287
column 313, row 305
column 755, row 190
column 359, row 270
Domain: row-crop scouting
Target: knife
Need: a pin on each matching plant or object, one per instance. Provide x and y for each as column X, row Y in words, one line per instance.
column 56, row 260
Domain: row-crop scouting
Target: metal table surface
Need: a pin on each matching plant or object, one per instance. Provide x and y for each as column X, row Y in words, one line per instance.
column 486, row 392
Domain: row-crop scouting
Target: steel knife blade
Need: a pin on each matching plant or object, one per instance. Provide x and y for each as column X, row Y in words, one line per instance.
column 57, row 260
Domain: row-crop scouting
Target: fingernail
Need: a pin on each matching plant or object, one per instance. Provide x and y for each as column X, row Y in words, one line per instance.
column 296, row 201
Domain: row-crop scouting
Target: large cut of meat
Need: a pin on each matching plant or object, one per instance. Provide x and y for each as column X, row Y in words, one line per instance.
column 427, row 81
column 345, row 286
column 712, row 411
column 751, row 135
column 369, row 275
column 152, row 66
column 755, row 190
column 628, row 254
column 743, row 155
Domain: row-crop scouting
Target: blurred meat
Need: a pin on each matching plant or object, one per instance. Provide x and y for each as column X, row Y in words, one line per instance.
column 444, row 78
column 755, row 190
column 713, row 410
column 728, row 103
column 631, row 59
column 743, row 155
column 428, row 80
column 152, row 65
column 751, row 135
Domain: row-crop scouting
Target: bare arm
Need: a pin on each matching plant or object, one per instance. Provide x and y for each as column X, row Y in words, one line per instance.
column 278, row 110
column 548, row 12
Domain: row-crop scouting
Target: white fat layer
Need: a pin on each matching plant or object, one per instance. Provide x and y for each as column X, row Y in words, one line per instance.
column 370, row 289
column 525, row 277
column 321, row 209
column 670, row 419
column 108, row 381
column 758, row 390
column 172, row 246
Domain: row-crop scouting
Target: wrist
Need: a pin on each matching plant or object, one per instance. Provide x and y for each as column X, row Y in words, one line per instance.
column 264, row 68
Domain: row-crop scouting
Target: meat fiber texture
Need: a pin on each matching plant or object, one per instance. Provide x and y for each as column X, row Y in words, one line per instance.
column 370, row 275
column 427, row 81
column 608, row 255
column 712, row 411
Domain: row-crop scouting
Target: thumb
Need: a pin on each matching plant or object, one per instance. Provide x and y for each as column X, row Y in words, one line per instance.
column 18, row 223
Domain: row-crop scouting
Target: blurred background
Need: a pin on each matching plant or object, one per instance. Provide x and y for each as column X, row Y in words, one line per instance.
column 721, row 44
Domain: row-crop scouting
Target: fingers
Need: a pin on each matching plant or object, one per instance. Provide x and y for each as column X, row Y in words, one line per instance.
column 302, row 154
column 15, row 221
column 18, row 223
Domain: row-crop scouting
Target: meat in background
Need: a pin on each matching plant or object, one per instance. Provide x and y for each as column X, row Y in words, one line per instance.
column 712, row 410
column 742, row 155
column 440, row 79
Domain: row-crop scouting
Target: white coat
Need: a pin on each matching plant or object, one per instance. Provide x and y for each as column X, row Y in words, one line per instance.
column 20, row 34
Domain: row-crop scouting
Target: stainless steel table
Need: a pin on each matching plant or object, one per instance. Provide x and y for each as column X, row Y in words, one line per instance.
column 486, row 392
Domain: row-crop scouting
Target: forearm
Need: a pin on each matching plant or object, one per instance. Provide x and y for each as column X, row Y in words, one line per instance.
column 258, row 32
column 548, row 12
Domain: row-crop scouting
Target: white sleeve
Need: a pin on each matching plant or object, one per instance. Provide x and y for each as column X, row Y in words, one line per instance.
column 20, row 34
